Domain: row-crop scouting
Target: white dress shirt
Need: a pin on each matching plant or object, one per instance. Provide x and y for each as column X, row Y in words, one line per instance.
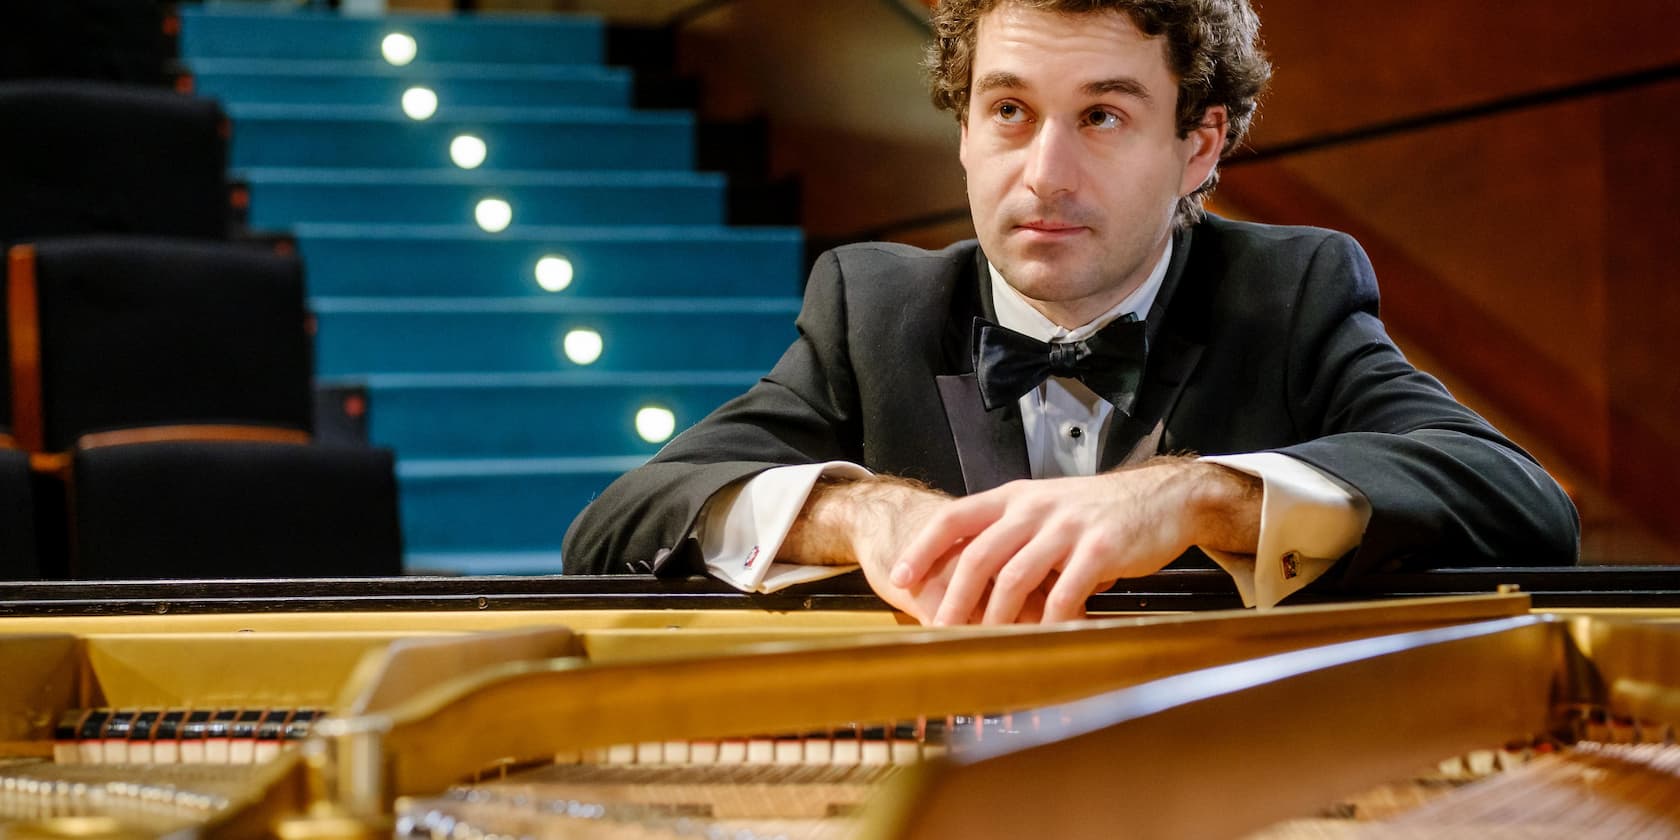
column 1307, row 520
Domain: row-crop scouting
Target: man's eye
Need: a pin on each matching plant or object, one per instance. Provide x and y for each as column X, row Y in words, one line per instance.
column 1010, row 112
column 1103, row 119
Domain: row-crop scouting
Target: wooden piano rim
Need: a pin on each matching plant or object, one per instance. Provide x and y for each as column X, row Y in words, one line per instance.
column 1294, row 720
column 1173, row 589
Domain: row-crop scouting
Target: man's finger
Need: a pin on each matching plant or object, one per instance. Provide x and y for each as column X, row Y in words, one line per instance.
column 1025, row 574
column 1032, row 612
column 977, row 563
column 956, row 520
column 1080, row 577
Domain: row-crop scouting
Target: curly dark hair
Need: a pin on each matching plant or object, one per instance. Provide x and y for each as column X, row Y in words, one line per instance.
column 1213, row 47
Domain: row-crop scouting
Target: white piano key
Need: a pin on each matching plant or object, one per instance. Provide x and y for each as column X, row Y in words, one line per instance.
column 677, row 752
column 733, row 751
column 819, row 751
column 905, row 752
column 789, row 751
column 847, row 751
column 876, row 752
column 761, row 751
column 217, row 750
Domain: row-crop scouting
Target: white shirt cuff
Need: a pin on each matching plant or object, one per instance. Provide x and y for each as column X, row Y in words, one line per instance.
column 1308, row 520
column 743, row 525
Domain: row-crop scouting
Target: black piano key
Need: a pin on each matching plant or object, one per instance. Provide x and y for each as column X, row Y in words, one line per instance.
column 94, row 724
column 144, row 724
column 197, row 725
column 273, row 725
column 119, row 725
column 169, row 725
column 245, row 723
column 220, row 724
column 298, row 727
column 933, row 731
column 69, row 724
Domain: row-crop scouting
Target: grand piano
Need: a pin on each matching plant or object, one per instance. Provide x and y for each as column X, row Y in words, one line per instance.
column 1475, row 703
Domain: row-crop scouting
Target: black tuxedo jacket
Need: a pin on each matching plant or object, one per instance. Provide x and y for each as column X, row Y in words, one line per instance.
column 1262, row 338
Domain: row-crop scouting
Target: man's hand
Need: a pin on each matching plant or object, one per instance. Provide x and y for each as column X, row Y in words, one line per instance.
column 869, row 522
column 1073, row 537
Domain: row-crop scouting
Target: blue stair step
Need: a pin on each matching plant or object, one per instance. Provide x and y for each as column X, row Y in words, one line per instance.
column 545, row 39
column 424, row 260
column 358, row 336
column 498, row 505
column 285, row 197
column 503, row 434
column 513, row 138
column 244, row 82
column 561, row 414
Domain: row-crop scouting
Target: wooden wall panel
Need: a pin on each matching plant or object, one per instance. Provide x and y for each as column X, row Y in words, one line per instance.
column 1342, row 65
column 851, row 111
column 1642, row 225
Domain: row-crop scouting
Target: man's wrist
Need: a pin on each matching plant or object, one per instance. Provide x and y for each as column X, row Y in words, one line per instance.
column 822, row 533
column 1224, row 506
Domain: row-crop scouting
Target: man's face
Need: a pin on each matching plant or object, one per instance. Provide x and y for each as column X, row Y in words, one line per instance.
column 1073, row 157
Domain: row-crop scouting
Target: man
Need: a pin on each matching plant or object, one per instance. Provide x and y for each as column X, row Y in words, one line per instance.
column 1103, row 323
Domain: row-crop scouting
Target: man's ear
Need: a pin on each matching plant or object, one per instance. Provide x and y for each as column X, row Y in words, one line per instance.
column 1205, row 143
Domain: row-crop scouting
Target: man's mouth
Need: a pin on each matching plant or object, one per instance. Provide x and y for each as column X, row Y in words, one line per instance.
column 1041, row 229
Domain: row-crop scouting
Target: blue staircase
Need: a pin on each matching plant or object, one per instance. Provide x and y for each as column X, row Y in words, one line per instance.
column 512, row 308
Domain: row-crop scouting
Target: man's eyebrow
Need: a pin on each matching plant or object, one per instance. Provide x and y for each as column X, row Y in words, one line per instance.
column 1123, row 85
column 998, row 79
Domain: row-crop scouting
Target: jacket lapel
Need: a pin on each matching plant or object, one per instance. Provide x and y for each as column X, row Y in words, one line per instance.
column 1141, row 436
column 1173, row 355
column 991, row 445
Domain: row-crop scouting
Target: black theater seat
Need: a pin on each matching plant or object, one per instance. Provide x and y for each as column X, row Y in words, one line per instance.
column 135, row 333
column 113, row 40
column 79, row 157
column 92, row 157
column 227, row 509
column 18, row 559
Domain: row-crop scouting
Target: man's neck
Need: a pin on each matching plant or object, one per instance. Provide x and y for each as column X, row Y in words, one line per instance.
column 1075, row 316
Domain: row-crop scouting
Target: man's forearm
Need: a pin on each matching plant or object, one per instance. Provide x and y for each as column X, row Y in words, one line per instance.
column 840, row 513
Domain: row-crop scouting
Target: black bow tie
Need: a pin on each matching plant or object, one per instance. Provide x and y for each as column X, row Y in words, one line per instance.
column 1110, row 363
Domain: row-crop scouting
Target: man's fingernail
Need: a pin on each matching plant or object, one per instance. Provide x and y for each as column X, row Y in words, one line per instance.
column 901, row 576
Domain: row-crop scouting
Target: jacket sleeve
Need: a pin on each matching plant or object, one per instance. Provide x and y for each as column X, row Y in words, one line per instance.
column 804, row 411
column 1445, row 487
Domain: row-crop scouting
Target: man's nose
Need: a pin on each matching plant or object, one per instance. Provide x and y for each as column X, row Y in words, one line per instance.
column 1052, row 161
